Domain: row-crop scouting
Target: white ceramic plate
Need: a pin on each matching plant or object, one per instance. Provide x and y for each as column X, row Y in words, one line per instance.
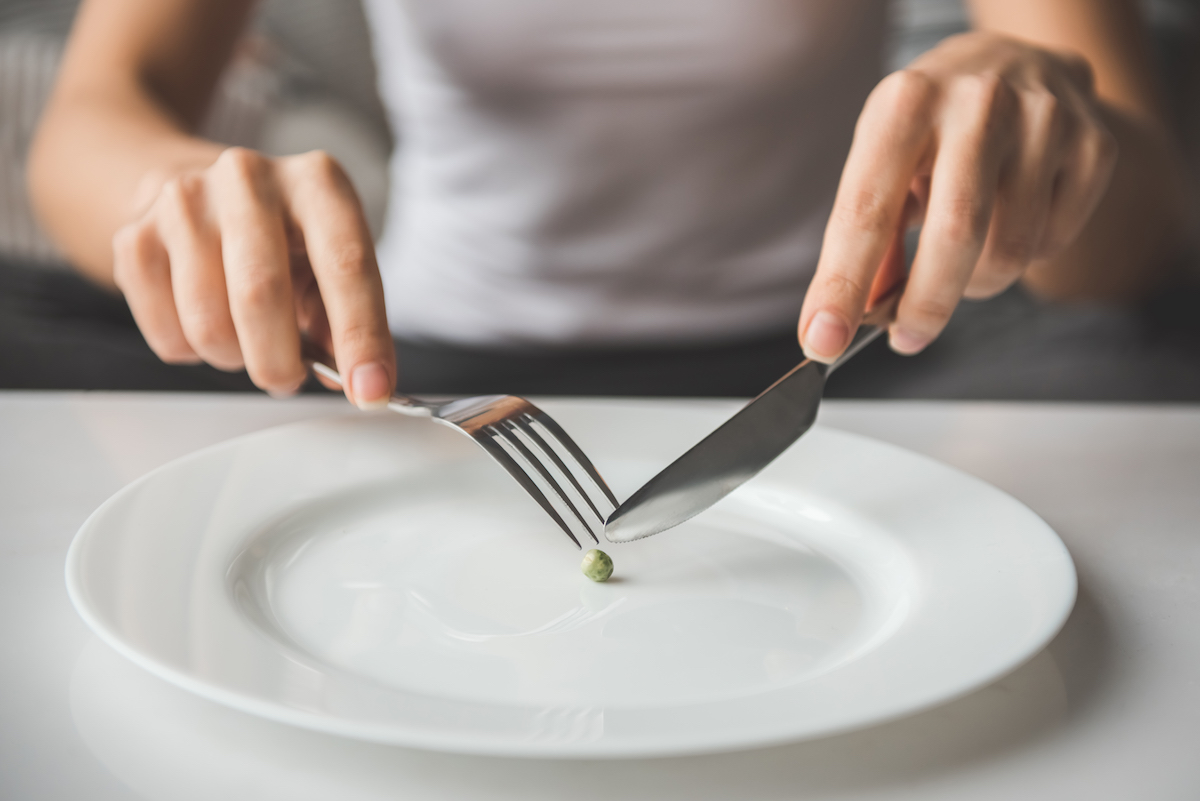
column 377, row 577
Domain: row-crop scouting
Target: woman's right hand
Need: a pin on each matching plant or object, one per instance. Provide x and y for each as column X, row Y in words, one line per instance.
column 229, row 264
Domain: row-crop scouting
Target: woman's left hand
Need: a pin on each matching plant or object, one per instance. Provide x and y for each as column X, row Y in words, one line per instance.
column 998, row 145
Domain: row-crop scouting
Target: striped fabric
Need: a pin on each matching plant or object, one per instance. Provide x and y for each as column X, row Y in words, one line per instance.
column 245, row 94
column 300, row 54
column 28, row 64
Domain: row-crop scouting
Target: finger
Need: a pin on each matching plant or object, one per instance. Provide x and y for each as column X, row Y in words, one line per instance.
column 1079, row 69
column 254, row 251
column 143, row 274
column 891, row 273
column 1023, row 200
column 311, row 312
column 890, row 142
column 1080, row 186
column 974, row 142
column 318, row 332
column 327, row 212
column 307, row 298
column 197, row 276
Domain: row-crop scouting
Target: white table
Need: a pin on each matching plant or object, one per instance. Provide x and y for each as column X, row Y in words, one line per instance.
column 1111, row 710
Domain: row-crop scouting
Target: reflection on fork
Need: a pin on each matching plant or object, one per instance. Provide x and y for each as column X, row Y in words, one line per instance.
column 525, row 441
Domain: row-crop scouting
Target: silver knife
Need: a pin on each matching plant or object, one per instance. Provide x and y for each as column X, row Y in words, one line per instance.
column 742, row 446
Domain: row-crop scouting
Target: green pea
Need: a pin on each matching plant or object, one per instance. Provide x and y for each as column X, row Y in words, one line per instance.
column 597, row 565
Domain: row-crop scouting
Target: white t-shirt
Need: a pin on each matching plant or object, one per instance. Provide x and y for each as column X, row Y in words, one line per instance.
column 613, row 173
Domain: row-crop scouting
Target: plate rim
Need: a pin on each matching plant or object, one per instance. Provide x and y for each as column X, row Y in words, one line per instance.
column 390, row 734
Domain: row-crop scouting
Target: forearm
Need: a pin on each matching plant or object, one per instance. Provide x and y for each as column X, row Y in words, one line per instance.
column 203, row 240
column 97, row 160
column 136, row 78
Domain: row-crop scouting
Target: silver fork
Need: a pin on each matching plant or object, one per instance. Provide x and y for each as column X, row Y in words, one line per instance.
column 525, row 441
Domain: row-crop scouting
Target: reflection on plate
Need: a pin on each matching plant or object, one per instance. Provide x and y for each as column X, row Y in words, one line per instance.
column 376, row 577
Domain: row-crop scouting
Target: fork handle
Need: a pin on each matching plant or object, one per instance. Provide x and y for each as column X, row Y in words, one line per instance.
column 320, row 360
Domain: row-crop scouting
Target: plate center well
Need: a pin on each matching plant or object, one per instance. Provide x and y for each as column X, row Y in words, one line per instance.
column 456, row 585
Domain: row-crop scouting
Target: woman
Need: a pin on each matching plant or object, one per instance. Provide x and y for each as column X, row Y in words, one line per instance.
column 576, row 176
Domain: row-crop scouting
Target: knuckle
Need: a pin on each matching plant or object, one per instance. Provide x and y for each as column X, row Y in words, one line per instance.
column 930, row 312
column 180, row 198
column 129, row 254
column 906, row 93
column 359, row 336
column 317, row 165
column 1081, row 68
column 963, row 222
column 1045, row 111
column 242, row 167
column 248, row 176
column 241, row 161
column 210, row 332
column 173, row 195
column 185, row 188
column 261, row 289
column 988, row 92
column 840, row 286
column 347, row 259
column 865, row 211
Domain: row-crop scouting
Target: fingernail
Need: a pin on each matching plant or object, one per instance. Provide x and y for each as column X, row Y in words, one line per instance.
column 906, row 342
column 281, row 394
column 369, row 386
column 827, row 336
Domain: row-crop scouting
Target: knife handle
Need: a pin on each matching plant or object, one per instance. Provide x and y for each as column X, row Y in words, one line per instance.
column 874, row 323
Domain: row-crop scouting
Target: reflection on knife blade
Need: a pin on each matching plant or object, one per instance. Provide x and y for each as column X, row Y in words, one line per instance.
column 740, row 448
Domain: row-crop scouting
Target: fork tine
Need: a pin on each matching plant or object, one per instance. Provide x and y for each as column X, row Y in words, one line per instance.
column 496, row 450
column 556, row 431
column 529, row 431
column 507, row 432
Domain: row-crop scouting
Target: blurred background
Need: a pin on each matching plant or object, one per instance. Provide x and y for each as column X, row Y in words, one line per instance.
column 304, row 79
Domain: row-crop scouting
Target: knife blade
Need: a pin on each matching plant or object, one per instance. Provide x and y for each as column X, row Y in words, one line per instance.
column 741, row 447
